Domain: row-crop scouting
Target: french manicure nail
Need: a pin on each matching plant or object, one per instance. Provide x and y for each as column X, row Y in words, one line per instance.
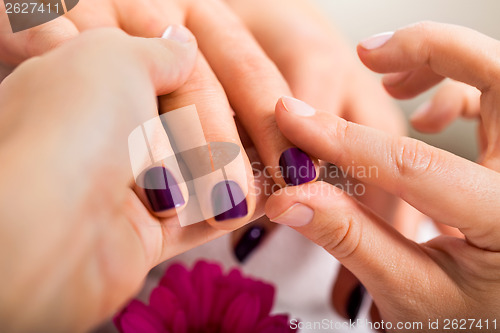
column 297, row 107
column 298, row 215
column 354, row 302
column 228, row 201
column 376, row 41
column 162, row 190
column 296, row 167
column 422, row 110
column 177, row 33
column 249, row 242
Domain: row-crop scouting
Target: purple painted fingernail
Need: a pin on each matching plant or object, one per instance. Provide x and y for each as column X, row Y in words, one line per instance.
column 355, row 301
column 297, row 167
column 162, row 190
column 249, row 242
column 228, row 201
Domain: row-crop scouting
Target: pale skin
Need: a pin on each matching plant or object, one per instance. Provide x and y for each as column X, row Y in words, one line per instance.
column 447, row 277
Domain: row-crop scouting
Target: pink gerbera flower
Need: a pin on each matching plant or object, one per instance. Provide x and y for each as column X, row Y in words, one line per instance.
column 204, row 300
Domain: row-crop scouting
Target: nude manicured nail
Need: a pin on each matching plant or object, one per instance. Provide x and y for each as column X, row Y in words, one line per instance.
column 394, row 79
column 376, row 41
column 421, row 111
column 177, row 33
column 297, row 107
column 298, row 215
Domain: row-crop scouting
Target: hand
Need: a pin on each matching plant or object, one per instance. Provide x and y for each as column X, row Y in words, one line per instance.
column 232, row 72
column 76, row 240
column 447, row 277
column 322, row 70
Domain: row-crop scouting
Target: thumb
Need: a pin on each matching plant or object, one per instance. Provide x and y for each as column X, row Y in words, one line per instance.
column 381, row 258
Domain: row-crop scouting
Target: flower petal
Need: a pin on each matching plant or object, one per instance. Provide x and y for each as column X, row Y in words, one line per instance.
column 227, row 288
column 165, row 303
column 265, row 292
column 178, row 280
column 180, row 324
column 203, row 278
column 242, row 314
column 132, row 322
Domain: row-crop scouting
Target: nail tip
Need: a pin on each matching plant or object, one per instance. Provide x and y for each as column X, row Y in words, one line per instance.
column 299, row 107
column 376, row 41
column 228, row 201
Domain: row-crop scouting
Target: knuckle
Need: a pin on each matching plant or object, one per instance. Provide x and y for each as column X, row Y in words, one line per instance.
column 421, row 46
column 424, row 27
column 340, row 132
column 343, row 240
column 413, row 158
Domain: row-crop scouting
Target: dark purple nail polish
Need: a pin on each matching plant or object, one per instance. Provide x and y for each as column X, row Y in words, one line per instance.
column 162, row 190
column 249, row 242
column 354, row 302
column 297, row 167
column 228, row 201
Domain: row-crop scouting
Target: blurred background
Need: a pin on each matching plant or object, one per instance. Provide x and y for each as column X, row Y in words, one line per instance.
column 359, row 19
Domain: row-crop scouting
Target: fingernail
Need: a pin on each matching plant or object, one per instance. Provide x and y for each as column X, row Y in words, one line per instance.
column 395, row 78
column 422, row 110
column 249, row 242
column 354, row 302
column 296, row 167
column 228, row 201
column 376, row 41
column 298, row 215
column 162, row 190
column 177, row 33
column 297, row 107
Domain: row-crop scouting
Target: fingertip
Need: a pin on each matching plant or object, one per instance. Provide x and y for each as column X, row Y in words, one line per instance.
column 179, row 34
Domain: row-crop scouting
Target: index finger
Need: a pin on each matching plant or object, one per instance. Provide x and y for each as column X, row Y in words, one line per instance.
column 449, row 50
column 19, row 46
column 445, row 187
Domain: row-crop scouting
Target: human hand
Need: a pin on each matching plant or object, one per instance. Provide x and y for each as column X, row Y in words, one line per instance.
column 231, row 63
column 448, row 277
column 322, row 70
column 76, row 239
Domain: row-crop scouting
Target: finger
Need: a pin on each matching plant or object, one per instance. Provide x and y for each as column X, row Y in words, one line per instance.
column 347, row 294
column 430, row 179
column 406, row 85
column 19, row 46
column 165, row 238
column 300, row 41
column 452, row 100
column 169, row 60
column 154, row 17
column 216, row 125
column 448, row 231
column 448, row 50
column 380, row 257
column 93, row 14
column 158, row 177
column 252, row 83
column 105, row 58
